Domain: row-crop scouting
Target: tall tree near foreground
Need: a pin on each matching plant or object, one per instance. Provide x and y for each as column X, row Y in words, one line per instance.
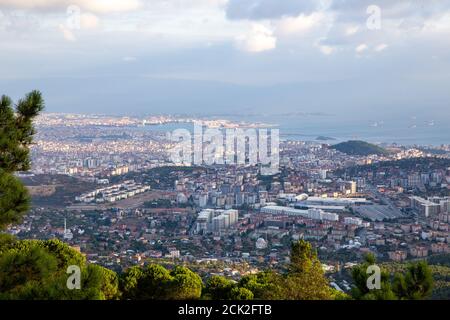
column 16, row 136
column 305, row 279
column 361, row 291
column 416, row 284
column 35, row 269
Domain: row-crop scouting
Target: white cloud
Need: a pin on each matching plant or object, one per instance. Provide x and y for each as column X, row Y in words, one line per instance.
column 326, row 50
column 105, row 6
column 96, row 6
column 351, row 30
column 381, row 47
column 129, row 59
column 67, row 33
column 89, row 21
column 258, row 39
column 361, row 48
column 438, row 24
column 300, row 24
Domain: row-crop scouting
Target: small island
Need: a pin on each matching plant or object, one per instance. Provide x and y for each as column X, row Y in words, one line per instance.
column 359, row 148
column 324, row 138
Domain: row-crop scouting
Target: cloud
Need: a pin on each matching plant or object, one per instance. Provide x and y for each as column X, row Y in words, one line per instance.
column 381, row 47
column 19, row 22
column 258, row 39
column 89, row 21
column 67, row 33
column 129, row 59
column 96, row 6
column 264, row 9
column 300, row 24
column 361, row 48
column 326, row 50
column 351, row 30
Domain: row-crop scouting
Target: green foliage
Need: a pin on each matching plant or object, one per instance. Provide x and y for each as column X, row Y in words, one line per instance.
column 145, row 284
column 361, row 290
column 109, row 285
column 339, row 295
column 14, row 199
column 185, row 284
column 16, row 135
column 16, row 130
column 218, row 288
column 266, row 285
column 238, row 293
column 360, row 148
column 156, row 282
column 303, row 257
column 23, row 272
column 416, row 284
column 64, row 255
column 34, row 269
column 305, row 279
column 6, row 240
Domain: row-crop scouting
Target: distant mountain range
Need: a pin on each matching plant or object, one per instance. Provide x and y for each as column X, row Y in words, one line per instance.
column 359, row 148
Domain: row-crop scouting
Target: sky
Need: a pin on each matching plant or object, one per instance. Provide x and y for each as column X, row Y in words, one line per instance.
column 385, row 59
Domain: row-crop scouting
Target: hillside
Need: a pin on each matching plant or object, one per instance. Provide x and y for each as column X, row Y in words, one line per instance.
column 359, row 148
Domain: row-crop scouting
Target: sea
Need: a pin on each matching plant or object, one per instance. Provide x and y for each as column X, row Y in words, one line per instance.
column 410, row 132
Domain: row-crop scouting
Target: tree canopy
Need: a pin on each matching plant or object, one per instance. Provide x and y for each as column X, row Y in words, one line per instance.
column 37, row 269
column 156, row 282
column 16, row 136
column 416, row 284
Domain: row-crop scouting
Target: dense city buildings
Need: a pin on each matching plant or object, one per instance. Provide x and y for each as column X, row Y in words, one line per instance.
column 107, row 186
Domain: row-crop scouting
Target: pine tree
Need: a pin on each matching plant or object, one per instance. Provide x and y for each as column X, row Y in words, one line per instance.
column 362, row 292
column 416, row 284
column 305, row 279
column 16, row 136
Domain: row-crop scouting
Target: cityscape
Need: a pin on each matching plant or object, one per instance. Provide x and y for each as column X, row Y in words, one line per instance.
column 114, row 194
column 224, row 158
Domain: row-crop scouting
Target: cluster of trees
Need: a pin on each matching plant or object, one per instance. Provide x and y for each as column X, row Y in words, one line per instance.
column 303, row 280
column 37, row 269
column 416, row 283
column 156, row 282
column 359, row 148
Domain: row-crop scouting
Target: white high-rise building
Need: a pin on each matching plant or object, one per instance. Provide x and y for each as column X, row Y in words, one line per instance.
column 216, row 220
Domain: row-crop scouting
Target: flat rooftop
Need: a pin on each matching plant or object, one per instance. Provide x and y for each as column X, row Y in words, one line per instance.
column 377, row 212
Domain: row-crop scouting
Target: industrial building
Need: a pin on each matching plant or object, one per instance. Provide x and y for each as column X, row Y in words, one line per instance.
column 315, row 214
column 431, row 206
